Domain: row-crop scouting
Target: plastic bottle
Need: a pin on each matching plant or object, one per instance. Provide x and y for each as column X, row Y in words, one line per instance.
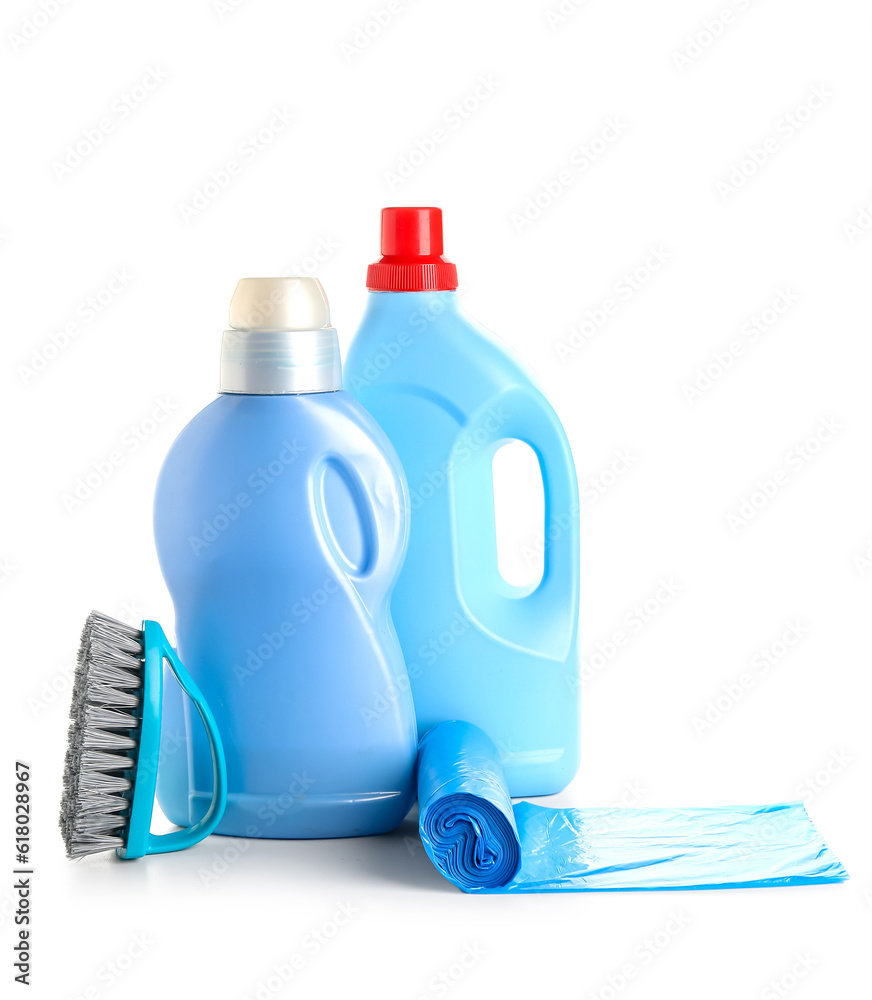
column 280, row 522
column 448, row 395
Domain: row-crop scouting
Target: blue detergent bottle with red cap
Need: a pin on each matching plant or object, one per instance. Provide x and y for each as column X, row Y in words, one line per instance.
column 449, row 395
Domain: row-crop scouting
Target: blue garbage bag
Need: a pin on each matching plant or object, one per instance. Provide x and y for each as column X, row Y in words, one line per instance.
column 481, row 843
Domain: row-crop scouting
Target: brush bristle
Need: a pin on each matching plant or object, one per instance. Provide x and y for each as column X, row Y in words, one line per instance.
column 103, row 738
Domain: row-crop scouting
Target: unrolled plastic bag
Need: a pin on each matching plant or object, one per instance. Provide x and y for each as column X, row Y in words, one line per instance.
column 481, row 843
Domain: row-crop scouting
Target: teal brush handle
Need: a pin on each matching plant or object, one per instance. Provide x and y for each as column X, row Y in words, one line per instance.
column 140, row 840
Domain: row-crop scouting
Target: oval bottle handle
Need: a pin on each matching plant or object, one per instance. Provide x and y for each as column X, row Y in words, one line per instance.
column 382, row 509
column 140, row 841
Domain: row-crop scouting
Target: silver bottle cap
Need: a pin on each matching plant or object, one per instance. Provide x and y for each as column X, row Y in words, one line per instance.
column 280, row 339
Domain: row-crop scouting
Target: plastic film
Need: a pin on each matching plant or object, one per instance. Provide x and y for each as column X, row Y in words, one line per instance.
column 482, row 843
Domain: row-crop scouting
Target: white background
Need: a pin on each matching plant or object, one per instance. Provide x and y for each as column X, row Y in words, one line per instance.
column 801, row 730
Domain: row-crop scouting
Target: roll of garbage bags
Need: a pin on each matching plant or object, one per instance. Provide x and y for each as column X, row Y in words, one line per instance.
column 465, row 813
column 482, row 843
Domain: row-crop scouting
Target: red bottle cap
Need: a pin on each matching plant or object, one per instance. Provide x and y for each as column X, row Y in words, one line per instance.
column 411, row 247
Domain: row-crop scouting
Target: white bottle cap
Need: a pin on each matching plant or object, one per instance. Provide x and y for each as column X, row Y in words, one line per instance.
column 280, row 339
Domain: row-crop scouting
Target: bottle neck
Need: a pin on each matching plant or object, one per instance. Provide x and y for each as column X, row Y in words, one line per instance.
column 276, row 362
column 412, row 306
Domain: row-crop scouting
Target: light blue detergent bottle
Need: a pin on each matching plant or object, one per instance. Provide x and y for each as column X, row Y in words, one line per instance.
column 280, row 521
column 448, row 395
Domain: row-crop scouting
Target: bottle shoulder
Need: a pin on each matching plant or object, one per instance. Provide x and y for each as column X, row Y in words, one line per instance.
column 420, row 343
column 241, row 430
column 247, row 413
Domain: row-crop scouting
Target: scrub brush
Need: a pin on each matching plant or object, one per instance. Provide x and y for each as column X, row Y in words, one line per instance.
column 114, row 743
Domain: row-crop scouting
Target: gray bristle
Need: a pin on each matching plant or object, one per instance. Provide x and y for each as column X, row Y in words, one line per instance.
column 103, row 738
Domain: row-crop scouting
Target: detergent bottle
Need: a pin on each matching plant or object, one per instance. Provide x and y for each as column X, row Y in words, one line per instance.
column 449, row 395
column 280, row 522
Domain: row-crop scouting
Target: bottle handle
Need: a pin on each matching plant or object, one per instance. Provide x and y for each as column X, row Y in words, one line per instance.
column 382, row 509
column 543, row 617
column 525, row 415
column 140, row 841
column 560, row 487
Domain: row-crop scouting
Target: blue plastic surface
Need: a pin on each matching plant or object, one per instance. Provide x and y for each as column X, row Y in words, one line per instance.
column 448, row 395
column 280, row 524
column 481, row 843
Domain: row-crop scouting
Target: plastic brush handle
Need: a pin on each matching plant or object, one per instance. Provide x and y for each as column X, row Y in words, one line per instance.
column 140, row 840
